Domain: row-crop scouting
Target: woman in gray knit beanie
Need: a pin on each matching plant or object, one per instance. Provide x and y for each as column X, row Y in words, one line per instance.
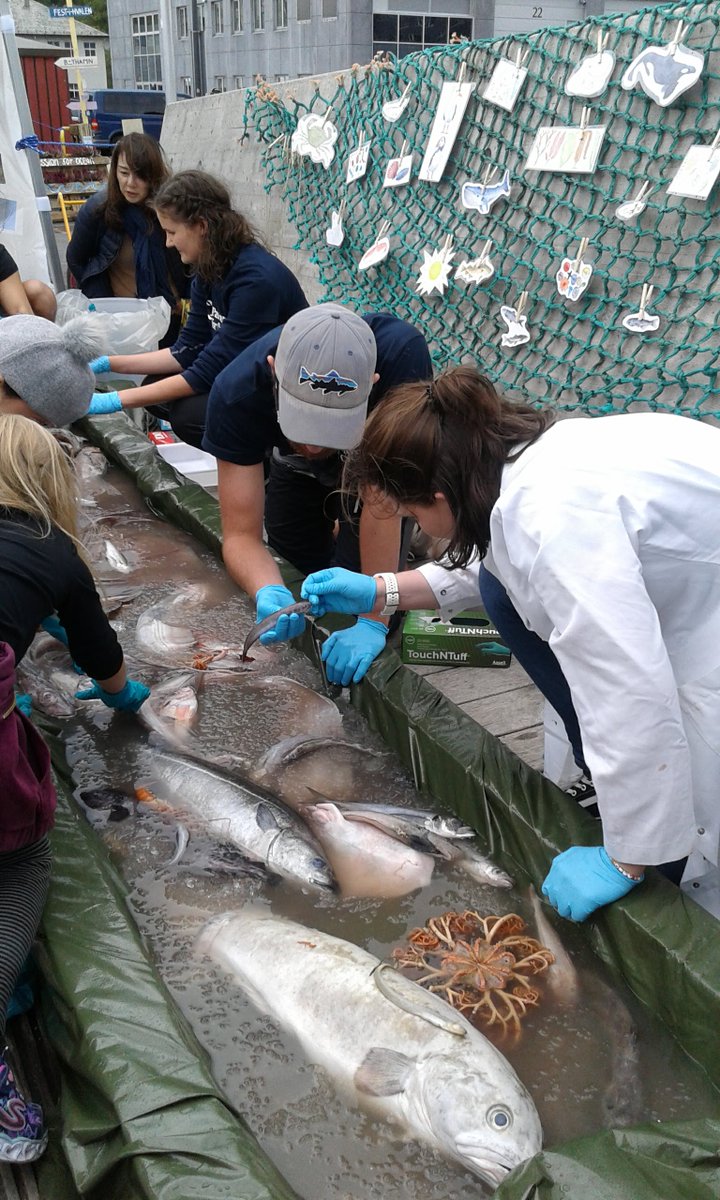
column 44, row 371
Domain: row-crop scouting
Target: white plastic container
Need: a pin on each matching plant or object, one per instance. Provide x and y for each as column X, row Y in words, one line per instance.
column 195, row 464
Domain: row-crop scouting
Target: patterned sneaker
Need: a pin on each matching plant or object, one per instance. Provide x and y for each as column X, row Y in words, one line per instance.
column 22, row 1135
column 583, row 791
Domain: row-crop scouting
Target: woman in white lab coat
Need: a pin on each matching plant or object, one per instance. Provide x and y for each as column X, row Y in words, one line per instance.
column 605, row 535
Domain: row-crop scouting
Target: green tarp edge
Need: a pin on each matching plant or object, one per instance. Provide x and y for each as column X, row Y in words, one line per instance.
column 658, row 940
column 141, row 1114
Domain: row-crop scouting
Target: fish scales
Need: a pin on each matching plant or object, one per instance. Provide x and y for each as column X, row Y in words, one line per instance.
column 457, row 1093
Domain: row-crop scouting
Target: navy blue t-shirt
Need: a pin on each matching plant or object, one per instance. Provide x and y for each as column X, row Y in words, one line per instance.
column 258, row 293
column 241, row 423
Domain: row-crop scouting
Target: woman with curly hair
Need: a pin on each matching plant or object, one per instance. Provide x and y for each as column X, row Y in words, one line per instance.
column 600, row 547
column 118, row 245
column 240, row 292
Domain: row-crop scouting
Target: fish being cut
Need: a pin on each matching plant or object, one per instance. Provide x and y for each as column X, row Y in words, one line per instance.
column 457, row 1093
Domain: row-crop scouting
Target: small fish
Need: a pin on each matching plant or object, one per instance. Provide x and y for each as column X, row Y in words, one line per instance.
column 182, row 837
column 415, row 820
column 413, row 999
column 292, row 749
column 562, row 978
column 477, row 865
column 264, row 626
column 116, row 558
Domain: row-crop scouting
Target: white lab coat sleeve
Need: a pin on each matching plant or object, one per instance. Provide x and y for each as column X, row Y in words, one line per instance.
column 587, row 578
column 454, row 590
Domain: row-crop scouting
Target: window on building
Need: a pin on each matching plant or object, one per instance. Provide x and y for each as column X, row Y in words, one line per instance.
column 219, row 83
column 217, row 22
column 236, row 16
column 147, row 63
column 304, row 10
column 329, row 8
column 238, row 82
column 90, row 49
column 182, row 22
column 73, row 91
column 281, row 78
column 281, row 14
column 186, row 85
column 403, row 33
column 258, row 14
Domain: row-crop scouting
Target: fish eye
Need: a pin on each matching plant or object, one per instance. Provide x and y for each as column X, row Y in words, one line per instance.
column 318, row 864
column 499, row 1118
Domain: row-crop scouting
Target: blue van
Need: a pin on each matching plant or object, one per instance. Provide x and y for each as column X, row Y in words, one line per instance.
column 115, row 105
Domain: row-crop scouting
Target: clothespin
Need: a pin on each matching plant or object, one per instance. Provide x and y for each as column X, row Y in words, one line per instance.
column 328, row 114
column 581, row 250
column 270, row 145
column 585, row 117
column 644, row 190
column 521, row 57
column 382, row 230
column 646, row 297
column 485, row 250
column 403, row 149
column 405, row 91
column 602, row 41
column 461, row 72
column 490, row 173
column 341, row 209
column 447, row 245
column 520, row 306
column 679, row 34
column 716, row 141
column 361, row 139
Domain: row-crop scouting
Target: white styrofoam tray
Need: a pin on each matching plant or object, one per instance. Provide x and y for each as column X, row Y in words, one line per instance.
column 196, row 464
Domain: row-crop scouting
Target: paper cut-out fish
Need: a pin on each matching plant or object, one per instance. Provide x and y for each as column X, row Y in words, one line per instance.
column 482, row 196
column 517, row 331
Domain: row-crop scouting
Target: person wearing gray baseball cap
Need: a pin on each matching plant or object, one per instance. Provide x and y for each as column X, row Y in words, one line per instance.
column 301, row 396
column 44, row 372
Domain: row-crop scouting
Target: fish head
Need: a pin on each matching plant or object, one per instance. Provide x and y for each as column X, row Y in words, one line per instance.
column 478, row 1110
column 325, row 815
column 295, row 857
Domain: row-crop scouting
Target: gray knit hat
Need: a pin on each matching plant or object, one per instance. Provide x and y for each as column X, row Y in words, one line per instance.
column 46, row 365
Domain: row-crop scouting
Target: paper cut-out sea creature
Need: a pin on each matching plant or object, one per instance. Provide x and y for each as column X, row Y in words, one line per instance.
column 335, row 235
column 573, row 278
column 476, row 270
column 435, row 271
column 517, row 332
column 664, row 72
column 375, row 254
column 392, row 110
column 591, row 76
column 481, row 196
column 315, row 138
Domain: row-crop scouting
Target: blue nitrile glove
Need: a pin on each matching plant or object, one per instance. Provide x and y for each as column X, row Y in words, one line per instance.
column 52, row 626
column 268, row 600
column 348, row 653
column 129, row 699
column 582, row 879
column 23, row 701
column 104, row 402
column 100, row 366
column 338, row 590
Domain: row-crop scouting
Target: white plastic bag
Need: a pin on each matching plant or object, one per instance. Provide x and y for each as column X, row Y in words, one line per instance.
column 131, row 326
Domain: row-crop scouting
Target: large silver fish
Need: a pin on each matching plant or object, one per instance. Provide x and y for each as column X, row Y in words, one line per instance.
column 256, row 823
column 457, row 1093
column 268, row 623
column 367, row 861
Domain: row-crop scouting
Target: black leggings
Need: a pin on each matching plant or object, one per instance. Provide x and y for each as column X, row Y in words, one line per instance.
column 186, row 415
column 24, row 881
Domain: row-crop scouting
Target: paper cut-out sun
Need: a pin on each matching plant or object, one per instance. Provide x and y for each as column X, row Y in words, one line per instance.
column 435, row 271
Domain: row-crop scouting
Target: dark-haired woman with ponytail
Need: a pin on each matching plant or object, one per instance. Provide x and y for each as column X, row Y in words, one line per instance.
column 240, row 292
column 600, row 547
column 118, row 246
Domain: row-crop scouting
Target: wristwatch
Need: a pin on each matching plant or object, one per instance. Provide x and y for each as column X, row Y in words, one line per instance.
column 392, row 593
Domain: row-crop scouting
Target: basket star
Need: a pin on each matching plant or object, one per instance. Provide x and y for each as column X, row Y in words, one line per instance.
column 435, row 271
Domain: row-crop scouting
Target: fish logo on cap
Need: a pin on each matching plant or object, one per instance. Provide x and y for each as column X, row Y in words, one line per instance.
column 330, row 382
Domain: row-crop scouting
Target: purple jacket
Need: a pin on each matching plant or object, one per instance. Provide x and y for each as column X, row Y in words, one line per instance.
column 27, row 794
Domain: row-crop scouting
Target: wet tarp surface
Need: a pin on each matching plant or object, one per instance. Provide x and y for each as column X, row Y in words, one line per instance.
column 657, row 939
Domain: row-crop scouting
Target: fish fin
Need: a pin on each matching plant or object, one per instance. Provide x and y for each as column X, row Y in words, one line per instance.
column 105, row 796
column 383, row 1072
column 265, row 817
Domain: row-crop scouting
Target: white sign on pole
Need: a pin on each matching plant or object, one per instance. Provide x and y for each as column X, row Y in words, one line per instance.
column 69, row 64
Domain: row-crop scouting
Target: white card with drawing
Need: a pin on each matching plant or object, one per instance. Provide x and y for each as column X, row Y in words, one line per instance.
column 357, row 163
column 573, row 149
column 450, row 111
column 398, row 171
column 505, row 84
column 697, row 174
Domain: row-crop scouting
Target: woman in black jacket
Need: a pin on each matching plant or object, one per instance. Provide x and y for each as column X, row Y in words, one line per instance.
column 118, row 247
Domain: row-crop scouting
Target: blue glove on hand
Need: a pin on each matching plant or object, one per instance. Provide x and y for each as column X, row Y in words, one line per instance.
column 52, row 626
column 23, row 701
column 268, row 600
column 129, row 699
column 100, row 366
column 338, row 590
column 582, row 879
column 348, row 653
column 104, row 402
